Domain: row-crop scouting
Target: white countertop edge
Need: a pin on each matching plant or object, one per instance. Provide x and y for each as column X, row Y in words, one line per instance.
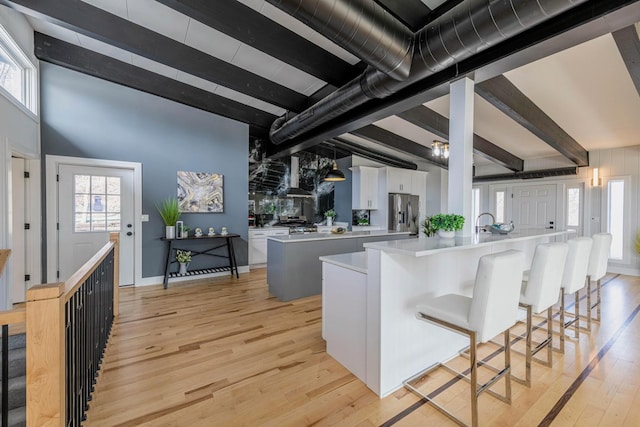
column 356, row 261
column 268, row 227
column 310, row 237
column 429, row 246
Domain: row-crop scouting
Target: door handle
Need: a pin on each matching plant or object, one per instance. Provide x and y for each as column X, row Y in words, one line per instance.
column 129, row 233
column 129, row 225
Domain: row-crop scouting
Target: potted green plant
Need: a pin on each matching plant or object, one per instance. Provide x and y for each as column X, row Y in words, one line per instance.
column 169, row 211
column 330, row 215
column 184, row 258
column 446, row 224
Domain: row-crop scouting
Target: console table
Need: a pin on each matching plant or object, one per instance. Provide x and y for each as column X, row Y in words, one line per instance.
column 218, row 240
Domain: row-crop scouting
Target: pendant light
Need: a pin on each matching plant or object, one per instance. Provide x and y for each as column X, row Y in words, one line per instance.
column 335, row 174
column 440, row 149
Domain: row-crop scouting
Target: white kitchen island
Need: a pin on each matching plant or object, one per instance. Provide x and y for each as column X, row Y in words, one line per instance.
column 379, row 339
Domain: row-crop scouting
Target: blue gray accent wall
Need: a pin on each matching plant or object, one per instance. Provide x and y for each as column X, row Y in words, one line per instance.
column 83, row 116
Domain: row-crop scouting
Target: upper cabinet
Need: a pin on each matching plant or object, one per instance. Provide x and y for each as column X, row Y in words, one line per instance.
column 399, row 180
column 364, row 191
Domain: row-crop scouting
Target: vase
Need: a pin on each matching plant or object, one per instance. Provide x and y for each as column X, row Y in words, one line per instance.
column 183, row 268
column 170, row 232
column 329, row 221
column 444, row 234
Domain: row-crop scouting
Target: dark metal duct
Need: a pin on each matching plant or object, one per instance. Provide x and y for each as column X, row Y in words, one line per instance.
column 361, row 27
column 469, row 28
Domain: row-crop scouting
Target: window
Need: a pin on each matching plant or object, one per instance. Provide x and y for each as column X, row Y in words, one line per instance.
column 475, row 202
column 574, row 207
column 615, row 217
column 17, row 73
column 97, row 203
column 500, row 196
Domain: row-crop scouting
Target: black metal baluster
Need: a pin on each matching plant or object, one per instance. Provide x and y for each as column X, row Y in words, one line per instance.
column 88, row 322
column 5, row 375
column 67, row 359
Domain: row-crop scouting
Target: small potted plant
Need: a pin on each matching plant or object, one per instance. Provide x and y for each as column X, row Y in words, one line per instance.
column 184, row 258
column 169, row 211
column 446, row 224
column 330, row 216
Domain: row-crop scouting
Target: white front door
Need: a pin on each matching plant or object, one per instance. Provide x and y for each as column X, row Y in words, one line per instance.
column 534, row 206
column 93, row 202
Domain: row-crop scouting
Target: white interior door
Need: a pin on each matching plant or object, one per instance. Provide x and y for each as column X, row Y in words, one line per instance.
column 93, row 202
column 534, row 206
column 18, row 249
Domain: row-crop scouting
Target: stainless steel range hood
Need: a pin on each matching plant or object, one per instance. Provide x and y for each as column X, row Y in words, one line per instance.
column 294, row 180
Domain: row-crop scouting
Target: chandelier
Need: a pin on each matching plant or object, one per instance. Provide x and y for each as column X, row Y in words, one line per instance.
column 440, row 149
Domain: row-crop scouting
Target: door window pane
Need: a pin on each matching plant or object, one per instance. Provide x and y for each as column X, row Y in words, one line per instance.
column 97, row 203
column 615, row 216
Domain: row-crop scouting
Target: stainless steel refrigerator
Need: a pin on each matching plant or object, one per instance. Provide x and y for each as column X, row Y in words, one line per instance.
column 404, row 212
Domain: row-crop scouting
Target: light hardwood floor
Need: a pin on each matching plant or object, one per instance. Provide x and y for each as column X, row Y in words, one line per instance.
column 224, row 352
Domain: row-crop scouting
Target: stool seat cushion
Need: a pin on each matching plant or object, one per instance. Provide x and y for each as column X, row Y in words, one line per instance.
column 452, row 308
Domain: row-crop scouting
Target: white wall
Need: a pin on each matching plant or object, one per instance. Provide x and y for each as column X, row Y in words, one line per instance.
column 612, row 163
column 19, row 136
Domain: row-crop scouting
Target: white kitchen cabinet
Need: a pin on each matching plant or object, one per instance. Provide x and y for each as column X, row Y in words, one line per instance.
column 364, row 189
column 399, row 180
column 258, row 243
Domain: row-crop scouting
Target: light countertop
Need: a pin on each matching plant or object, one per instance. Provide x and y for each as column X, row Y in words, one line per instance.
column 356, row 261
column 309, row 237
column 422, row 247
column 269, row 227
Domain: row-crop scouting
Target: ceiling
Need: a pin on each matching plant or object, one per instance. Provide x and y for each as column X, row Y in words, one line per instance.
column 576, row 78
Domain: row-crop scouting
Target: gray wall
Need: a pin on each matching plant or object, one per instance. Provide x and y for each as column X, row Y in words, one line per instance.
column 83, row 116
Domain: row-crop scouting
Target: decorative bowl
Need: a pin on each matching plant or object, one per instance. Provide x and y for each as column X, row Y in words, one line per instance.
column 501, row 228
column 338, row 230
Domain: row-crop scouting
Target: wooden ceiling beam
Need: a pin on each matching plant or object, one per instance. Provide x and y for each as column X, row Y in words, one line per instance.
column 388, row 139
column 629, row 46
column 370, row 154
column 256, row 30
column 506, row 97
column 93, row 22
column 438, row 125
column 411, row 13
column 104, row 67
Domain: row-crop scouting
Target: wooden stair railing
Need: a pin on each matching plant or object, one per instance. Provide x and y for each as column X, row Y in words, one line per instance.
column 56, row 322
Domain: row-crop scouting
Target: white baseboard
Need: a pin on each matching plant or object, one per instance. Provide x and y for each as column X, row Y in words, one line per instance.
column 629, row 271
column 158, row 280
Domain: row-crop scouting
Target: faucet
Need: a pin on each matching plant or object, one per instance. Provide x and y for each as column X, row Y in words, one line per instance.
column 493, row 220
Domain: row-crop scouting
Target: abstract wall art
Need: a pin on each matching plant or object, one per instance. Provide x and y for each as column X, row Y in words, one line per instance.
column 200, row 192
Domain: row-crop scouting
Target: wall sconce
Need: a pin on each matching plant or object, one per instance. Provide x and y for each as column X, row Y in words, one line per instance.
column 440, row 149
column 596, row 181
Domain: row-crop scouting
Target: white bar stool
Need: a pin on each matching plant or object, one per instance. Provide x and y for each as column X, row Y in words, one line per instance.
column 492, row 309
column 596, row 271
column 539, row 293
column 575, row 274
